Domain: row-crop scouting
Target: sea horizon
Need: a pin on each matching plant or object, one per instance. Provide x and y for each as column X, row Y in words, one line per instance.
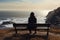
column 21, row 15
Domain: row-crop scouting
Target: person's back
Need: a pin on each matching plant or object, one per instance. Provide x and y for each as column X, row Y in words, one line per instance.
column 32, row 22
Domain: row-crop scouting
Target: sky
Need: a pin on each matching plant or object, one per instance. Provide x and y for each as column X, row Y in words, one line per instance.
column 29, row 4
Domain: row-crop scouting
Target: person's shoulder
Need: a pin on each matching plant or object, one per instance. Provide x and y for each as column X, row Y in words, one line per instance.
column 29, row 18
column 35, row 17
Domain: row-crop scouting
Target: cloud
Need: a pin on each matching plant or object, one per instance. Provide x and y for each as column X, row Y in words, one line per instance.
column 29, row 4
column 3, row 1
column 33, row 1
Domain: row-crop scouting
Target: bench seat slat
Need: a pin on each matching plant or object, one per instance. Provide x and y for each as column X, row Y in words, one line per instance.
column 32, row 29
column 36, row 28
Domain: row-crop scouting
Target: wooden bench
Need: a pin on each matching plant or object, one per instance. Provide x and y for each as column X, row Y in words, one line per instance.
column 24, row 27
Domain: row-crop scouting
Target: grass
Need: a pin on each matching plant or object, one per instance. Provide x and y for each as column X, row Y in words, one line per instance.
column 8, row 34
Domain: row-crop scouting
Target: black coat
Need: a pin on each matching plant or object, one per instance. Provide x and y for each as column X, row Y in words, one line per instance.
column 32, row 23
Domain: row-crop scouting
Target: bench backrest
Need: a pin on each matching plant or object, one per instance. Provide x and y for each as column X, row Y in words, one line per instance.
column 25, row 25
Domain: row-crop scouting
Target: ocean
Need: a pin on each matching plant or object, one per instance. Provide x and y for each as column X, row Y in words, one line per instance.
column 20, row 17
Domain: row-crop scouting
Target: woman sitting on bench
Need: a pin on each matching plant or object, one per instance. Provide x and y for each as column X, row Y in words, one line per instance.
column 32, row 23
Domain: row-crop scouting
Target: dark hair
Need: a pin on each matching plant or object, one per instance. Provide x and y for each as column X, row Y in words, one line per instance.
column 32, row 14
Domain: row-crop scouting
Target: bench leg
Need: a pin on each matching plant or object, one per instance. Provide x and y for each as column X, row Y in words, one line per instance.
column 47, row 33
column 30, row 32
column 15, row 30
